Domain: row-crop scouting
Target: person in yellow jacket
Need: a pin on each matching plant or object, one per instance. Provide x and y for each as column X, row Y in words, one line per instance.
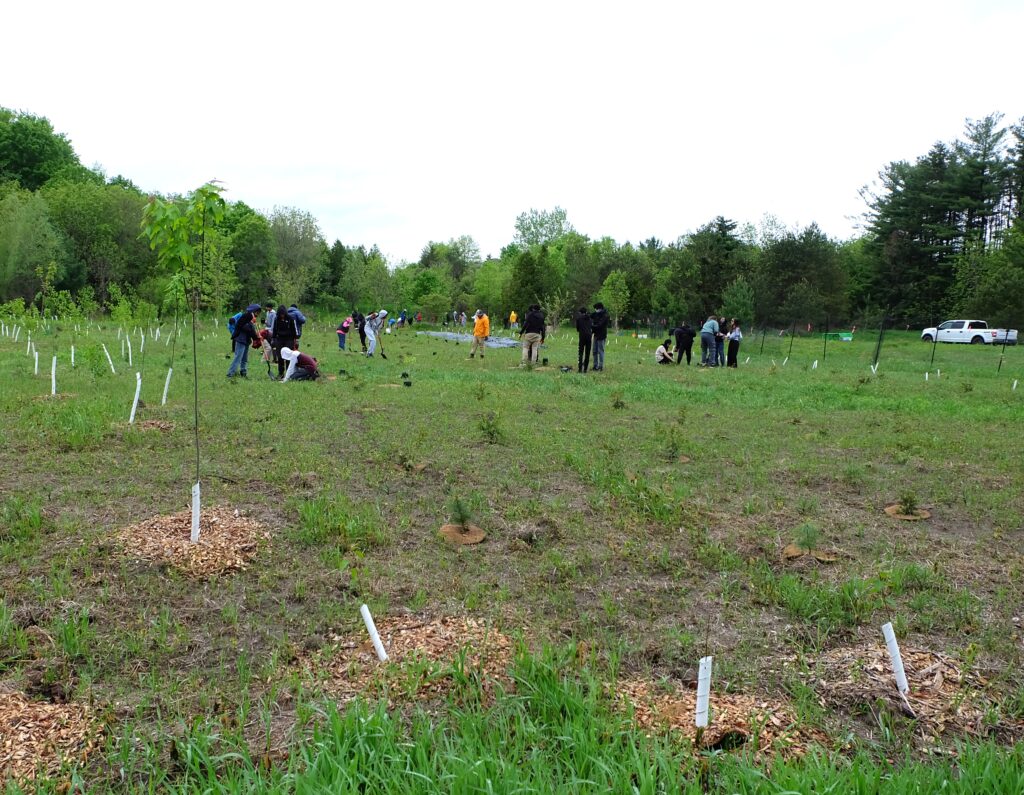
column 513, row 319
column 481, row 331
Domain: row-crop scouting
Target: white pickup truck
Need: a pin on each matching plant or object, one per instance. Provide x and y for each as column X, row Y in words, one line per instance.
column 975, row 332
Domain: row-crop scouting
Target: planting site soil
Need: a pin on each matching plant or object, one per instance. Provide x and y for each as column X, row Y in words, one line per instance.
column 648, row 516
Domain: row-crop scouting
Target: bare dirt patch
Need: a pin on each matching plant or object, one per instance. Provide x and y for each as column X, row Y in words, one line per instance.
column 36, row 737
column 155, row 425
column 227, row 541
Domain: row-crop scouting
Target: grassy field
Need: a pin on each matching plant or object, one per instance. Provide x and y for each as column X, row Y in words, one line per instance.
column 640, row 514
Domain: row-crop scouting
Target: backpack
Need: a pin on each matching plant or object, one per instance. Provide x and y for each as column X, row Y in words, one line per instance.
column 284, row 326
column 232, row 322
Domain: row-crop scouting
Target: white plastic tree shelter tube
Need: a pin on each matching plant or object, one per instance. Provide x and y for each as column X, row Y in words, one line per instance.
column 926, row 376
column 142, row 344
column 122, row 347
column 109, row 360
column 167, row 383
column 897, row 659
column 374, row 636
column 135, row 402
column 815, row 365
column 36, row 355
column 72, row 357
column 28, row 345
column 1014, row 385
column 129, row 350
column 195, row 513
column 784, row 361
column 53, row 376
column 700, row 717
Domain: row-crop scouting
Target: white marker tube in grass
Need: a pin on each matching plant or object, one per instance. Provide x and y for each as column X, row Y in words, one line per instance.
column 72, row 357
column 53, row 376
column 815, row 365
column 167, row 383
column 374, row 636
column 36, row 355
column 109, row 360
column 28, row 345
column 129, row 350
column 938, row 373
column 784, row 361
column 122, row 347
column 195, row 513
column 747, row 360
column 1014, row 385
column 703, row 693
column 142, row 344
column 897, row 659
column 135, row 402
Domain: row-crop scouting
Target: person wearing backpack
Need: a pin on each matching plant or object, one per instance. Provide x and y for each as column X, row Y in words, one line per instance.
column 242, row 337
column 284, row 337
column 300, row 321
column 232, row 324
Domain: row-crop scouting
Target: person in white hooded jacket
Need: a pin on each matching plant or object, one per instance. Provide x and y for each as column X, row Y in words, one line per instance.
column 374, row 324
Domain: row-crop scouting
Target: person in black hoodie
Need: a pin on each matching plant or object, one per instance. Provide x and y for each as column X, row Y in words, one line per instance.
column 359, row 319
column 585, row 328
column 285, row 335
column 684, row 342
column 532, row 334
column 242, row 338
column 599, row 323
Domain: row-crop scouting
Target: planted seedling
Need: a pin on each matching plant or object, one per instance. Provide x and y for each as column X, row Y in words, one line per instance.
column 479, row 391
column 617, row 401
column 460, row 529
column 808, row 536
column 490, row 427
column 907, row 508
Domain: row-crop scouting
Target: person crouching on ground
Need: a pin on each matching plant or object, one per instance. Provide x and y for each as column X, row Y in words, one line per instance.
column 585, row 328
column 301, row 366
column 664, row 354
column 735, row 335
column 532, row 334
column 481, row 331
column 263, row 344
column 284, row 336
column 243, row 336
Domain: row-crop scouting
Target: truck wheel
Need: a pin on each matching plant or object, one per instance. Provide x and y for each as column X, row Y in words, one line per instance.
column 927, row 338
column 977, row 340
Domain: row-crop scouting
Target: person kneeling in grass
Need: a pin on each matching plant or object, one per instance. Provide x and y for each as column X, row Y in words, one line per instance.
column 301, row 366
column 664, row 354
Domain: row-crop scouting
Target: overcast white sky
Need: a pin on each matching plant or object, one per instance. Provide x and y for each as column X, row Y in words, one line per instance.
column 397, row 123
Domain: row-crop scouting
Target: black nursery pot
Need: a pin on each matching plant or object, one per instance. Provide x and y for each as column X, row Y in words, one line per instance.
column 544, row 362
column 407, row 383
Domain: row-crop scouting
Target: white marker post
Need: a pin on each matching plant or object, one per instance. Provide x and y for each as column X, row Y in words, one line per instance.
column 874, row 369
column 815, row 365
column 129, row 350
column 167, row 383
column 926, row 376
column 938, row 373
column 897, row 663
column 374, row 636
column 28, row 345
column 53, row 376
column 72, row 357
column 135, row 402
column 109, row 360
column 142, row 344
column 784, row 361
column 36, row 355
column 703, row 693
column 122, row 347
column 747, row 360
column 195, row 513
column 1014, row 385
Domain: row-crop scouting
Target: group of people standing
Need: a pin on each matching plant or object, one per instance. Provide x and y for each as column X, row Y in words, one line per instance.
column 278, row 339
column 592, row 328
column 713, row 337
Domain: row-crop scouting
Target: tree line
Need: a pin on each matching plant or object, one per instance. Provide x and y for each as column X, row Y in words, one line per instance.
column 941, row 235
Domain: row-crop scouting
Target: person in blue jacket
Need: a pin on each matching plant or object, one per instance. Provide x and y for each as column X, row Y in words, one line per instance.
column 300, row 320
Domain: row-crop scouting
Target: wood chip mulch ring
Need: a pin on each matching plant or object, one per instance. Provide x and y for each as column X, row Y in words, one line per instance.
column 350, row 667
column 58, row 396
column 459, row 534
column 155, row 425
column 227, row 541
column 39, row 737
column 736, row 720
column 896, row 512
column 944, row 698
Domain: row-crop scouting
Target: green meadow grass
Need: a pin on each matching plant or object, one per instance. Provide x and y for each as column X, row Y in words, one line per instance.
column 647, row 559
